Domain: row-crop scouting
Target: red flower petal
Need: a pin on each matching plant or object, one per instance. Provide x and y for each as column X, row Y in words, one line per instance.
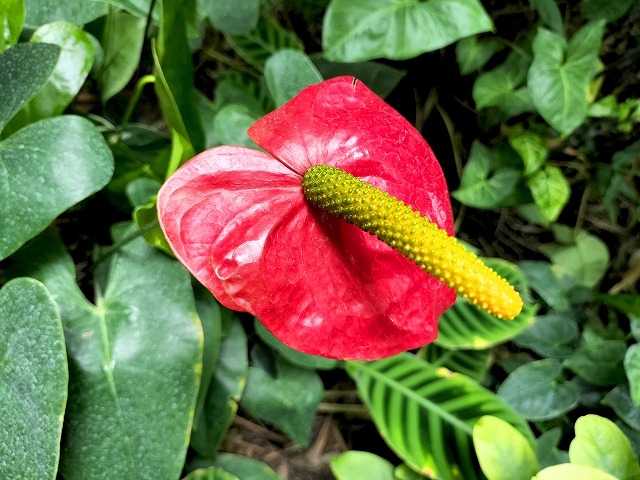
column 238, row 220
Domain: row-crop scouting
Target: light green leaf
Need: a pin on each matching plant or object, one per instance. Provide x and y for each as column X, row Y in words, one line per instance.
column 551, row 335
column 234, row 18
column 485, row 183
column 45, row 168
column 33, row 391
column 266, row 39
column 537, row 390
column 365, row 29
column 288, row 399
column 550, row 191
column 40, row 12
column 632, row 369
column 503, row 452
column 426, row 414
column 530, row 147
column 549, row 14
column 504, row 87
column 210, row 473
column 567, row 471
column 472, row 54
column 355, row 465
column 599, row 363
column 11, row 21
column 584, row 257
column 134, row 360
column 231, row 125
column 600, row 444
column 472, row 363
column 464, row 326
column 560, row 75
column 24, row 70
column 225, row 390
column 287, row 72
column 122, row 40
column 68, row 76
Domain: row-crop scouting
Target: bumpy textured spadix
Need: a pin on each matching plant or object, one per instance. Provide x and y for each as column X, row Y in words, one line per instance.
column 411, row 234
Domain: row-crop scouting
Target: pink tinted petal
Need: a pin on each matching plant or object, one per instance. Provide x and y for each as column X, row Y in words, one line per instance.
column 341, row 122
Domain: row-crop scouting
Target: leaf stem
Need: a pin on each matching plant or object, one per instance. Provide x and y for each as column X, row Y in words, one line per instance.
column 122, row 242
column 135, row 98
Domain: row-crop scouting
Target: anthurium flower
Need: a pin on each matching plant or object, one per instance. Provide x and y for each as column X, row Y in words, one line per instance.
column 326, row 235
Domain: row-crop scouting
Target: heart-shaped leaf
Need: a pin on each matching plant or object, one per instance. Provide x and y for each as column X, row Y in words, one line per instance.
column 45, row 168
column 33, row 391
column 135, row 361
column 233, row 18
column 24, row 69
column 550, row 191
column 287, row 72
column 365, row 29
column 551, row 335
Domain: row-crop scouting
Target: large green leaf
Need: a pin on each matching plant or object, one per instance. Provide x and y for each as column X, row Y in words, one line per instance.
column 549, row 14
column 68, row 76
column 287, row 397
column 33, row 391
column 568, row 471
column 40, row 12
column 231, row 124
column 503, row 452
column 599, row 443
column 357, row 30
column 287, row 72
column 45, row 168
column 234, row 18
column 542, row 279
column 122, row 40
column 560, row 75
column 24, row 69
column 426, row 414
column 225, row 390
column 531, row 148
column 472, row 54
column 134, row 361
column 551, row 335
column 599, row 363
column 355, row 465
column 486, row 182
column 464, row 326
column 550, row 191
column 11, row 18
column 537, row 390
column 472, row 363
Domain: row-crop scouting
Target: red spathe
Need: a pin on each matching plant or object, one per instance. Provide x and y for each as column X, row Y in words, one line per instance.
column 238, row 220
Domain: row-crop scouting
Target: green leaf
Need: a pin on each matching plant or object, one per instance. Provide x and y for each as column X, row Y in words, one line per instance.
column 632, row 369
column 600, row 444
column 541, row 277
column 146, row 219
column 45, row 168
column 210, row 473
column 472, row 54
column 599, row 363
column 551, row 335
column 567, row 471
column 234, row 18
column 503, row 452
column 531, row 148
column 605, row 9
column 582, row 256
column 68, row 76
column 549, row 14
column 627, row 303
column 11, row 19
column 464, row 326
column 485, row 183
column 287, row 72
column 292, row 356
column 231, row 124
column 40, row 12
column 380, row 78
column 122, row 40
column 620, row 401
column 560, row 75
column 550, row 191
column 355, row 465
column 225, row 390
column 365, row 29
column 266, row 39
column 288, row 399
column 134, row 361
column 538, row 392
column 33, row 391
column 140, row 190
column 472, row 363
column 24, row 70
column 242, row 467
column 242, row 89
column 426, row 414
column 546, row 448
column 503, row 87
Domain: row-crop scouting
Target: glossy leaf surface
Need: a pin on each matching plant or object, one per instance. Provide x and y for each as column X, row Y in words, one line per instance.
column 355, row 465
column 287, row 72
column 39, row 12
column 238, row 220
column 133, row 356
column 33, row 391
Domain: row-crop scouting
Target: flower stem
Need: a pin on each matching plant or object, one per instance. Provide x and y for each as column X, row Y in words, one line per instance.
column 413, row 235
